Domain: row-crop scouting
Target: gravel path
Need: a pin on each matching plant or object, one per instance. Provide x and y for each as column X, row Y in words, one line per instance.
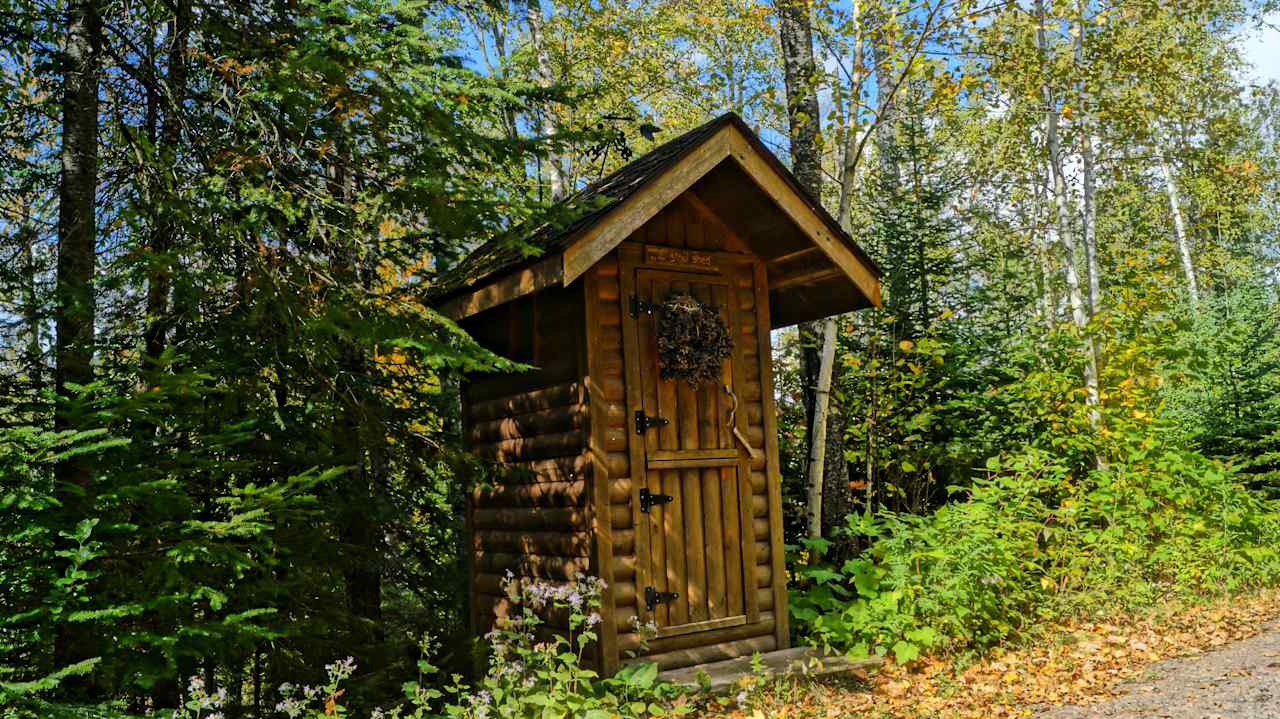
column 1237, row 681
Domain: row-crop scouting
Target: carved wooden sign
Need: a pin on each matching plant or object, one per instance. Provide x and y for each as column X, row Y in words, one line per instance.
column 678, row 257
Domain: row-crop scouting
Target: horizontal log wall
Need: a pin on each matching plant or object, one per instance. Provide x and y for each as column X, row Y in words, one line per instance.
column 535, row 520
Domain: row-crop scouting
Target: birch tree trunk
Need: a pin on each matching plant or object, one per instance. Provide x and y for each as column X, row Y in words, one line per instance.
column 1089, row 226
column 852, row 142
column 803, row 115
column 1048, row 299
column 555, row 161
column 886, row 133
column 1180, row 230
column 818, row 447
column 1065, row 231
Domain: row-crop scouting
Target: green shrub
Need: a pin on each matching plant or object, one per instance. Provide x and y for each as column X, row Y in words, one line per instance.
column 1034, row 539
column 532, row 673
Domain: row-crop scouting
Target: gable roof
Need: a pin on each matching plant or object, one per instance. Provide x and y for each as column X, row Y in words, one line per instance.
column 568, row 249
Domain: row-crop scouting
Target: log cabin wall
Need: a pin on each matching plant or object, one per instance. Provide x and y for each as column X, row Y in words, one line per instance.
column 568, row 423
column 535, row 522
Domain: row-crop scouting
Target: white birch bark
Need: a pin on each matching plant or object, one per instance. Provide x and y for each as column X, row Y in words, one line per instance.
column 554, row 161
column 1180, row 229
column 1088, row 233
column 1065, row 231
column 818, row 447
column 849, row 162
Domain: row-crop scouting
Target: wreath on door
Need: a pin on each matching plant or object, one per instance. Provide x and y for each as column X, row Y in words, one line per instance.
column 693, row 341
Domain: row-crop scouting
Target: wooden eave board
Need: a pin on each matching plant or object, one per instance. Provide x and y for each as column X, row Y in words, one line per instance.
column 598, row 240
column 594, row 242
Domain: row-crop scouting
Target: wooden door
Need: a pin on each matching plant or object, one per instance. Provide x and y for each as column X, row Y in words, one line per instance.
column 695, row 509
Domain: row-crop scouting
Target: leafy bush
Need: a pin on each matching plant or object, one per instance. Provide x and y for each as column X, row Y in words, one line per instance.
column 532, row 672
column 122, row 579
column 1034, row 539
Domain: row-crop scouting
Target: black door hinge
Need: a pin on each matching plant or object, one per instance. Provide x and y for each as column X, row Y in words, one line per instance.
column 649, row 500
column 644, row 422
column 639, row 306
column 653, row 597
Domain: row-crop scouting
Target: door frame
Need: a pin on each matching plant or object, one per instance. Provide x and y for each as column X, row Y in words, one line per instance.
column 635, row 256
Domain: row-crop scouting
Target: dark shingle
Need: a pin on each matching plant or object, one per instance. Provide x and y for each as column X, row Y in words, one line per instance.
column 599, row 198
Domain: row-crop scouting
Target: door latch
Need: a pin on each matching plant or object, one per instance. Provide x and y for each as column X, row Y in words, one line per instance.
column 644, row 422
column 643, row 307
column 652, row 597
column 649, row 499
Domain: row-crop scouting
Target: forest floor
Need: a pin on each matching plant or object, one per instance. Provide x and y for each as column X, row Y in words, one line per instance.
column 1208, row 661
column 1240, row 680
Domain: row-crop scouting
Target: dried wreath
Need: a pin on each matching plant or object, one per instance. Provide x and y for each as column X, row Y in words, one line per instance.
column 693, row 341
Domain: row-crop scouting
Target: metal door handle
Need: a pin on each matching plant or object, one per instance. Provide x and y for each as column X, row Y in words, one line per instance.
column 737, row 433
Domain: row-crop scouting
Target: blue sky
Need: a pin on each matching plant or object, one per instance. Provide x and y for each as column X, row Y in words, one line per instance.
column 1262, row 49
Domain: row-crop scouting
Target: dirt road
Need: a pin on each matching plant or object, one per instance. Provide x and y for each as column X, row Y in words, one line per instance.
column 1237, row 681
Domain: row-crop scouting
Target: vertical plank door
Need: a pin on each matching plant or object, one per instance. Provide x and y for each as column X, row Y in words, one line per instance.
column 700, row 565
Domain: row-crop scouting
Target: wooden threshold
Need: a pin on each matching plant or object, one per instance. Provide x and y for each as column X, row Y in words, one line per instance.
column 718, row 677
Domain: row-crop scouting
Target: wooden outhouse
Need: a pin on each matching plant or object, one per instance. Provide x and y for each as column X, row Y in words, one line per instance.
column 668, row 491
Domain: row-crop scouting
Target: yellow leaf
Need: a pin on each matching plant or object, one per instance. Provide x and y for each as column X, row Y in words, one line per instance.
column 907, row 345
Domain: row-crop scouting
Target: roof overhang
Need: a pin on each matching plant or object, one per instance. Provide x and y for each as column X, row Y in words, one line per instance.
column 814, row 268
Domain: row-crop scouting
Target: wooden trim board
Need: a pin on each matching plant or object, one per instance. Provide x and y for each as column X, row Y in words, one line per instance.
column 702, row 626
column 799, row 211
column 601, row 514
column 723, row 675
column 773, row 472
column 546, row 273
column 600, row 239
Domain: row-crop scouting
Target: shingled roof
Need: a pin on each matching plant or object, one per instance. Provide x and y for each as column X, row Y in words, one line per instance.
column 597, row 200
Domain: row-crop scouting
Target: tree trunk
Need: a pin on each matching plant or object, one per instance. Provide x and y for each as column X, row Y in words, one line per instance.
column 852, row 144
column 800, row 75
column 163, row 239
column 818, row 447
column 803, row 115
column 1065, row 231
column 1089, row 226
column 886, row 132
column 555, row 160
column 1180, row 230
column 1044, row 251
column 77, row 232
column 33, row 361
